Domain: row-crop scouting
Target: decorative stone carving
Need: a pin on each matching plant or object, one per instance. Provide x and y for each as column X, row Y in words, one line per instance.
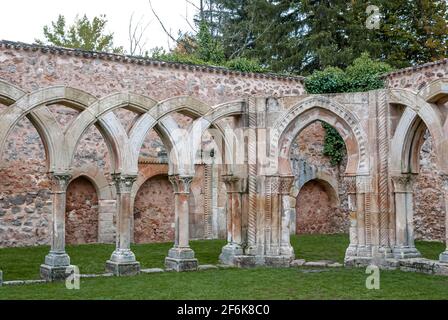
column 181, row 184
column 123, row 183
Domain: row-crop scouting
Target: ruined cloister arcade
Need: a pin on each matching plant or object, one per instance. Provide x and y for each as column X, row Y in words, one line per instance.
column 245, row 142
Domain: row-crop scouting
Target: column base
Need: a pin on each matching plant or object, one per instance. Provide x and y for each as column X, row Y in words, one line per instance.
column 444, row 257
column 352, row 251
column 57, row 259
column 181, row 259
column 228, row 253
column 385, row 252
column 364, row 251
column 245, row 261
column 123, row 268
column 55, row 273
column 405, row 252
column 123, row 256
column 278, row 261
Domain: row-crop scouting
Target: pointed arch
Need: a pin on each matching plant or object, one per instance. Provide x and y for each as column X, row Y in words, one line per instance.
column 312, row 109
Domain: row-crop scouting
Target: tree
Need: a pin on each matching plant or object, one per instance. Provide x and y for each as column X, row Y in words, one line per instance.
column 82, row 34
column 302, row 36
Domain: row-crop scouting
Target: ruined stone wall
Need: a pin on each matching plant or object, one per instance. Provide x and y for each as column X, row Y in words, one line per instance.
column 24, row 185
column 317, row 210
column 417, row 77
column 429, row 211
column 81, row 212
column 154, row 211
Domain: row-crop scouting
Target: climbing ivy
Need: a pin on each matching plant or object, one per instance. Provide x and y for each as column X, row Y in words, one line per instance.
column 363, row 75
column 334, row 146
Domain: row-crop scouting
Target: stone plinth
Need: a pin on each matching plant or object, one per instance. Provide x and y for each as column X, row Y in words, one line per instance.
column 123, row 268
column 181, row 259
column 229, row 252
column 55, row 273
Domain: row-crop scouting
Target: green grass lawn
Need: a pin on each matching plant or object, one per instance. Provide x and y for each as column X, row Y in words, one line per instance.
column 293, row 283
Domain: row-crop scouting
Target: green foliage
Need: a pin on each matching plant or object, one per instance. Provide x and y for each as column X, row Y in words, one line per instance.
column 363, row 75
column 334, row 146
column 303, row 36
column 245, row 65
column 208, row 48
column 82, row 34
column 330, row 80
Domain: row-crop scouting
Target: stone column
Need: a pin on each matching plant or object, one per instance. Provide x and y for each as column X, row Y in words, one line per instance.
column 181, row 256
column 352, row 207
column 362, row 189
column 123, row 262
column 235, row 186
column 404, row 212
column 57, row 260
column 444, row 255
column 286, row 212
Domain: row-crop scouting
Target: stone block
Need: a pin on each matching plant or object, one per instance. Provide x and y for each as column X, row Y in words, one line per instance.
column 277, row 261
column 52, row 273
column 298, row 262
column 180, row 265
column 441, row 269
column 207, row 267
column 152, row 270
column 335, row 265
column 123, row 268
column 321, row 264
column 245, row 261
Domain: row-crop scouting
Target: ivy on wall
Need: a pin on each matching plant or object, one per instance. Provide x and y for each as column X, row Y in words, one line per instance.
column 334, row 146
column 363, row 75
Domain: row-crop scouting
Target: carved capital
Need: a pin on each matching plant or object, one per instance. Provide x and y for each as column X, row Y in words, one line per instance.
column 60, row 181
column 403, row 183
column 181, row 184
column 350, row 182
column 234, row 183
column 286, row 184
column 123, row 183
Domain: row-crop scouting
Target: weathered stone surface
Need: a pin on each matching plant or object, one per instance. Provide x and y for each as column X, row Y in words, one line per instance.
column 207, row 267
column 51, row 273
column 316, row 264
column 298, row 263
column 152, row 270
column 122, row 269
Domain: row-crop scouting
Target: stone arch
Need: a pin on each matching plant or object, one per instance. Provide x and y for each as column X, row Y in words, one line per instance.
column 320, row 216
column 82, row 214
column 97, row 179
column 199, row 127
column 435, row 91
column 184, row 104
column 312, row 109
column 41, row 118
column 70, row 97
column 404, row 143
column 90, row 115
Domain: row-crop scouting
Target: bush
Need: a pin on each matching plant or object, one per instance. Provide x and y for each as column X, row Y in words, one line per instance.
column 363, row 75
column 330, row 80
column 245, row 65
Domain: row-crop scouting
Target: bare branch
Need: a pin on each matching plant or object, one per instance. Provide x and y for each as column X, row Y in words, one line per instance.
column 161, row 23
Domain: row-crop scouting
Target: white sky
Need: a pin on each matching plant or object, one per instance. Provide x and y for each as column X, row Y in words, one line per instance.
column 23, row 20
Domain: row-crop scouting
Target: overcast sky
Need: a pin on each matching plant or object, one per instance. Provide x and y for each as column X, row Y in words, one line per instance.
column 22, row 20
